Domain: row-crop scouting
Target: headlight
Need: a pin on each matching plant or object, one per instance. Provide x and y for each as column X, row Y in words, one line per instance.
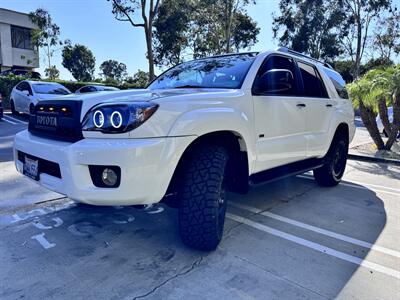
column 118, row 117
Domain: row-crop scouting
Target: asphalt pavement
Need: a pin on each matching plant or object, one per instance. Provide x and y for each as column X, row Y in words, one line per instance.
column 289, row 239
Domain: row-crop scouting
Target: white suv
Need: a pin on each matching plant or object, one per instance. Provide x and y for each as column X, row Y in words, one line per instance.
column 199, row 129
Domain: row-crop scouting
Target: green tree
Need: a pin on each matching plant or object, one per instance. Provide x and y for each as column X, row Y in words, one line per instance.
column 128, row 10
column 79, row 60
column 171, row 31
column 140, row 79
column 361, row 16
column 245, row 32
column 221, row 26
column 376, row 63
column 202, row 28
column 386, row 36
column 46, row 35
column 314, row 27
column 52, row 72
column 372, row 94
column 113, row 69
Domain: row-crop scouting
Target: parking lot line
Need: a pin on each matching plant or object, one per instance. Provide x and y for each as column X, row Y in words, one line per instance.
column 315, row 246
column 362, row 187
column 14, row 119
column 8, row 121
column 322, row 231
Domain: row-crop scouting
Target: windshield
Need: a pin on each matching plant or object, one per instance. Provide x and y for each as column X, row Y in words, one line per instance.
column 214, row 72
column 45, row 88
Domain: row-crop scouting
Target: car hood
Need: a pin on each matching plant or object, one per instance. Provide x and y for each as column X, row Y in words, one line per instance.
column 143, row 95
column 48, row 96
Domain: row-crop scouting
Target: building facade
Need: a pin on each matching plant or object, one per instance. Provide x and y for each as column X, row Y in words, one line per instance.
column 16, row 48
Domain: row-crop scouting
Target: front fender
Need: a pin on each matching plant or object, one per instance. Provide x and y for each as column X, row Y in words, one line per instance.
column 208, row 120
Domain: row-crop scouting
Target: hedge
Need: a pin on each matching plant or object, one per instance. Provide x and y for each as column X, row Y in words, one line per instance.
column 8, row 82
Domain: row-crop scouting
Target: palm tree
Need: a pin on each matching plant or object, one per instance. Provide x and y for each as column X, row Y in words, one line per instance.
column 372, row 94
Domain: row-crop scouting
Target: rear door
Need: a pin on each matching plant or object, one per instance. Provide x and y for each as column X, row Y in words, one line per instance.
column 280, row 116
column 319, row 108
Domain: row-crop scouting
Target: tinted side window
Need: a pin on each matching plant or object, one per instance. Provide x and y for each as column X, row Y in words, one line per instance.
column 276, row 77
column 313, row 85
column 85, row 89
column 19, row 86
column 339, row 83
column 24, row 86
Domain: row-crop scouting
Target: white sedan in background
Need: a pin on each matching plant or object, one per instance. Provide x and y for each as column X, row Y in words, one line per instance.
column 95, row 88
column 27, row 94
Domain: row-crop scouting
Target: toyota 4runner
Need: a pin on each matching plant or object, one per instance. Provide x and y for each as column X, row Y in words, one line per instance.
column 200, row 129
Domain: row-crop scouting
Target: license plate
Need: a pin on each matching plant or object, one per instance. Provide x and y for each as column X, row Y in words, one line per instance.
column 31, row 168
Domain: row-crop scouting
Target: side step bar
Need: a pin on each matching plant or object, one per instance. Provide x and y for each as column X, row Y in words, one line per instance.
column 286, row 171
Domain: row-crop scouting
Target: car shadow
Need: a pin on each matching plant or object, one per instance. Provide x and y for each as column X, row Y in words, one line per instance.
column 118, row 252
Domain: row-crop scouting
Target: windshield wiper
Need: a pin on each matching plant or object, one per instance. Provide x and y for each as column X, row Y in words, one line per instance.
column 188, row 86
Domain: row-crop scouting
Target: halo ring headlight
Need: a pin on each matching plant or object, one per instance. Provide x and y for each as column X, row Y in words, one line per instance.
column 98, row 118
column 116, row 119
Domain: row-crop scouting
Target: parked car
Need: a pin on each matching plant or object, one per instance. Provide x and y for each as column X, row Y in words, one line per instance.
column 380, row 125
column 27, row 93
column 1, row 106
column 95, row 88
column 21, row 72
column 200, row 129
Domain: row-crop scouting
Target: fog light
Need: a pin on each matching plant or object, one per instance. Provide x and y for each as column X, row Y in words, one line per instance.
column 109, row 177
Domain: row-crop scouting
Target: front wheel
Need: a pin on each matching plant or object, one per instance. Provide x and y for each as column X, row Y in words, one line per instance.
column 13, row 110
column 331, row 173
column 202, row 199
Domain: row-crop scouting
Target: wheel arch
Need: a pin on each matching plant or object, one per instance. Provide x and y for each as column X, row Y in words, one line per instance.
column 342, row 129
column 238, row 166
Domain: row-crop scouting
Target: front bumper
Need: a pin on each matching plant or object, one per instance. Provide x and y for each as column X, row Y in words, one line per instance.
column 147, row 166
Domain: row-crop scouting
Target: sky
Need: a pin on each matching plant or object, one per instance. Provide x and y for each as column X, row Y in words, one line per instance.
column 91, row 23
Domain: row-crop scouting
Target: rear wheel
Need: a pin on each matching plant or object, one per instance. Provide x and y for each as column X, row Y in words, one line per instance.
column 13, row 111
column 335, row 160
column 202, row 199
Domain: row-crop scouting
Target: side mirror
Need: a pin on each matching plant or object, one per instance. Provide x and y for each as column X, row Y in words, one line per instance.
column 26, row 93
column 277, row 81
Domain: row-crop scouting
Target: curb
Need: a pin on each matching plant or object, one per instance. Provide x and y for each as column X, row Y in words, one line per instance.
column 374, row 159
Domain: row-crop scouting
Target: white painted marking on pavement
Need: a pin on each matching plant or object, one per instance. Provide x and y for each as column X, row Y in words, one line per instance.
column 15, row 120
column 8, row 121
column 358, row 187
column 322, row 231
column 42, row 241
column 316, row 246
column 57, row 220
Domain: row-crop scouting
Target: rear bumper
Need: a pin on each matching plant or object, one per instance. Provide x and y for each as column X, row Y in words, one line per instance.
column 147, row 166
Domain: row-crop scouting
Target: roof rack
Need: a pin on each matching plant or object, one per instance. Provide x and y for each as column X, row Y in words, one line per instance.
column 290, row 51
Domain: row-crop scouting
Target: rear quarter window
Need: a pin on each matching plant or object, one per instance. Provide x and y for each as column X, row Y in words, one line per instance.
column 338, row 83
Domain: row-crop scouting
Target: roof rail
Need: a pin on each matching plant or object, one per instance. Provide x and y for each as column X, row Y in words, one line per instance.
column 290, row 51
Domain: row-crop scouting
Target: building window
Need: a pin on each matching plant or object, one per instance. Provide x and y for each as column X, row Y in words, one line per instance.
column 21, row 38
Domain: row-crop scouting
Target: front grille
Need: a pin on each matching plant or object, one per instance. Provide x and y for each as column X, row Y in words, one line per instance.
column 45, row 166
column 57, row 119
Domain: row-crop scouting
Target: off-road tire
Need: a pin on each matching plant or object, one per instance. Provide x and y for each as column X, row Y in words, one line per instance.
column 202, row 198
column 331, row 173
column 13, row 111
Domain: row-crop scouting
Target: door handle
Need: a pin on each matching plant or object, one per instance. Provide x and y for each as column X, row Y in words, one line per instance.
column 329, row 105
column 300, row 105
